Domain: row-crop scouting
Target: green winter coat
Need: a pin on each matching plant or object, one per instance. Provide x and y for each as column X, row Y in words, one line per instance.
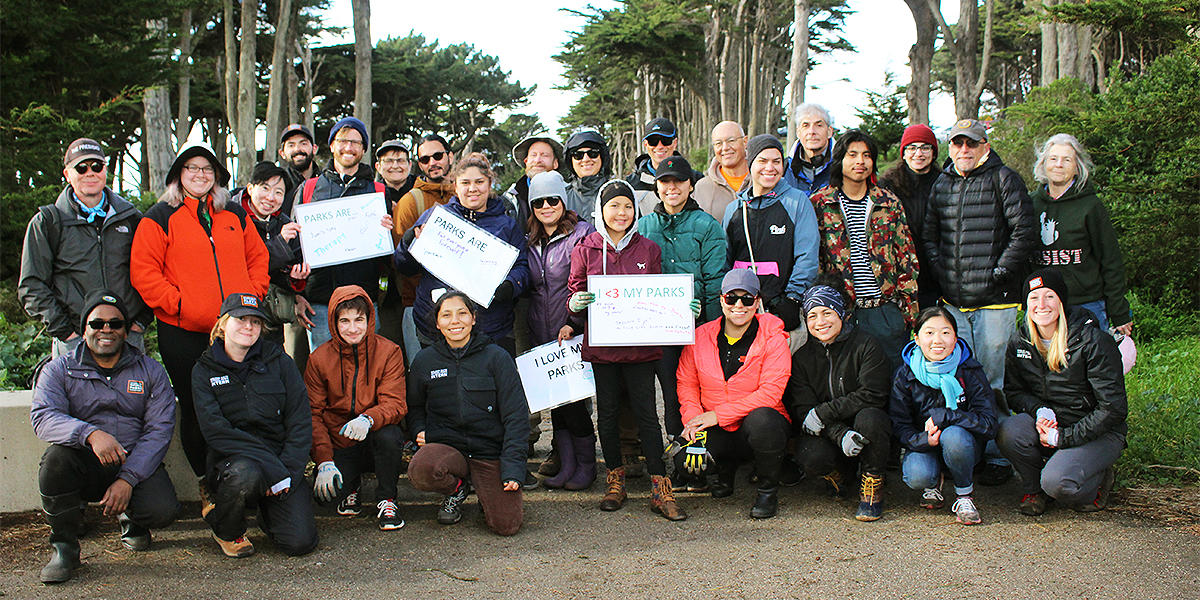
column 691, row 242
column 1078, row 239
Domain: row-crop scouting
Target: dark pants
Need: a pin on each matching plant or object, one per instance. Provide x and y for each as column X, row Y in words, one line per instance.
column 1070, row 475
column 573, row 417
column 380, row 453
column 439, row 468
column 239, row 483
column 66, row 470
column 665, row 369
column 820, row 456
column 180, row 349
column 634, row 381
column 762, row 437
column 886, row 324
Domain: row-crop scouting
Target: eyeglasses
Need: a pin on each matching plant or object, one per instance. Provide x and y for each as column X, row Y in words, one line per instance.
column 435, row 156
column 113, row 324
column 745, row 299
column 728, row 142
column 387, row 162
column 540, row 202
column 659, row 140
column 914, row 148
column 95, row 165
column 193, row 169
column 589, row 152
column 350, row 143
column 963, row 140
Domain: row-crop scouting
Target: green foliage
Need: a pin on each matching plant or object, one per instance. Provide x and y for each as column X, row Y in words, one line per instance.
column 1164, row 411
column 885, row 115
column 1149, row 28
column 20, row 350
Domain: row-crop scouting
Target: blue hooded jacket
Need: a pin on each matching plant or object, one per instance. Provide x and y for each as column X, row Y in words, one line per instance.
column 912, row 402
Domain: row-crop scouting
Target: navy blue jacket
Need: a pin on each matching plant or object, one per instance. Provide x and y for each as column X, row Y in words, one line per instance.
column 912, row 403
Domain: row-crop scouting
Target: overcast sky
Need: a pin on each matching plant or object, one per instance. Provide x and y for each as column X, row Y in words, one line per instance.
column 526, row 38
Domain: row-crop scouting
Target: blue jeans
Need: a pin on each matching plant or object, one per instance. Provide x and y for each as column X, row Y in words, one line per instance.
column 986, row 331
column 1099, row 309
column 958, row 450
column 319, row 334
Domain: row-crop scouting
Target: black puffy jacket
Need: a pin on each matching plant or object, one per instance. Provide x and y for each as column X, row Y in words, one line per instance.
column 471, row 398
column 363, row 273
column 839, row 380
column 912, row 403
column 1087, row 396
column 258, row 409
column 974, row 224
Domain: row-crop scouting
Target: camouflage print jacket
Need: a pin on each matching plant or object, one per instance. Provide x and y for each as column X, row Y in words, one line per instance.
column 893, row 255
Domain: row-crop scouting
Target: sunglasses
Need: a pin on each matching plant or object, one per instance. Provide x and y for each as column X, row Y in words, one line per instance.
column 95, row 165
column 113, row 324
column 435, row 156
column 540, row 202
column 590, row 153
column 964, row 141
column 659, row 140
column 745, row 299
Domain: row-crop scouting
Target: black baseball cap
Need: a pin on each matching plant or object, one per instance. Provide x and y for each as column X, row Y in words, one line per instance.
column 392, row 146
column 243, row 305
column 293, row 129
column 81, row 150
column 674, row 166
column 659, row 126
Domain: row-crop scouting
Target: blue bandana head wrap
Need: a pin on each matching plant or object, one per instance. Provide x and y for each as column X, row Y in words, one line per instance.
column 823, row 295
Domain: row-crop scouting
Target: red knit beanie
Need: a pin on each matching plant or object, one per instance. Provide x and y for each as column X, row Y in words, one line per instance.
column 918, row 133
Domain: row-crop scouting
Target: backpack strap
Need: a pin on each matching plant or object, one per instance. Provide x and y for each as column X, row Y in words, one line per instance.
column 379, row 187
column 306, row 194
column 419, row 198
column 53, row 225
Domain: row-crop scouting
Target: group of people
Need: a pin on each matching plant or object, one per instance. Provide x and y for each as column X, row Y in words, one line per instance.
column 839, row 315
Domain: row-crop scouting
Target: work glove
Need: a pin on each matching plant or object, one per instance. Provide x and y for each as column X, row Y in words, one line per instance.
column 1046, row 413
column 852, row 443
column 329, row 481
column 1001, row 275
column 697, row 458
column 695, row 306
column 503, row 293
column 357, row 428
column 788, row 310
column 580, row 301
column 812, row 423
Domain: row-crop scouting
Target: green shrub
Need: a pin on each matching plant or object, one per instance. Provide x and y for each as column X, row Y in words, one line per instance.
column 1164, row 412
column 20, row 350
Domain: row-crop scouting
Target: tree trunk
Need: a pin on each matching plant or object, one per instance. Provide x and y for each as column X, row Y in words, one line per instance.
column 920, row 62
column 1049, row 55
column 279, row 79
column 230, row 76
column 183, row 120
column 968, row 82
column 798, row 71
column 1083, row 68
column 293, row 79
column 310, row 83
column 156, row 124
column 1068, row 50
column 362, row 60
column 247, row 95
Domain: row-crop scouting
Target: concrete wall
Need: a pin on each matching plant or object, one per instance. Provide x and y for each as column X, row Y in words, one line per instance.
column 20, row 452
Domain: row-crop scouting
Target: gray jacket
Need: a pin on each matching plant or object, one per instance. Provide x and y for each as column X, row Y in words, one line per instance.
column 136, row 406
column 61, row 264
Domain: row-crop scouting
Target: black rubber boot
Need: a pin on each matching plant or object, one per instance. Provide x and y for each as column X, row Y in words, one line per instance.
column 766, row 503
column 133, row 536
column 65, row 517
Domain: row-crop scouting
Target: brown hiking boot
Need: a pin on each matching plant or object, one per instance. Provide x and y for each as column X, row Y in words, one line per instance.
column 834, row 485
column 551, row 465
column 1034, row 504
column 662, row 499
column 206, row 502
column 239, row 548
column 614, row 497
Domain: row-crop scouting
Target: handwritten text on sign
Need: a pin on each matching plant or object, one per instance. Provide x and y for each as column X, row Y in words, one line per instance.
column 641, row 310
column 344, row 230
column 462, row 255
column 554, row 375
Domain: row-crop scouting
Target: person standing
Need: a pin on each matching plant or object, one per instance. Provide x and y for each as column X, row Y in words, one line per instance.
column 810, row 159
column 727, row 171
column 661, row 140
column 297, row 155
column 589, row 168
column 193, row 247
column 108, row 413
column 392, row 166
column 911, row 180
column 865, row 242
column 81, row 242
column 536, row 154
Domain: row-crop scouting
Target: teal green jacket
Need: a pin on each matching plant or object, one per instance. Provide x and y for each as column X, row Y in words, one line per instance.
column 692, row 241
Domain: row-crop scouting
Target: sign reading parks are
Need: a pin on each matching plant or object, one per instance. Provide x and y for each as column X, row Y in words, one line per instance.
column 554, row 375
column 462, row 255
column 333, row 232
column 641, row 310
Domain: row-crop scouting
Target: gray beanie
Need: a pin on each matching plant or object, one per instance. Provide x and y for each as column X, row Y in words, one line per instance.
column 547, row 185
column 762, row 142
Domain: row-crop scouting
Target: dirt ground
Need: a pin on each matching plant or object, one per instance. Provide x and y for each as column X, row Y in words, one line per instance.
column 569, row 549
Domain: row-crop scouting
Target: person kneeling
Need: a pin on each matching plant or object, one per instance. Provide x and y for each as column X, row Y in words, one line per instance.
column 1063, row 374
column 108, row 411
column 941, row 409
column 839, row 389
column 469, row 410
column 356, row 391
column 253, row 410
column 731, row 384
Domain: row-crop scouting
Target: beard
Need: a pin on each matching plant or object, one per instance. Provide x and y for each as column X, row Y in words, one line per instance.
column 300, row 161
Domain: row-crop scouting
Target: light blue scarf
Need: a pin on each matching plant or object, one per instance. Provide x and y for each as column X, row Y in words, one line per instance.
column 940, row 375
column 89, row 213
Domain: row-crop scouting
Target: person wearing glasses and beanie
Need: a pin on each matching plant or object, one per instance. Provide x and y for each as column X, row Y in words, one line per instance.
column 911, row 180
column 81, row 242
column 731, row 385
column 108, row 412
column 192, row 249
column 253, row 409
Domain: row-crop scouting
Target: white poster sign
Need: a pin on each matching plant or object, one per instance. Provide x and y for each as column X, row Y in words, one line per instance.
column 554, row 375
column 641, row 310
column 344, row 230
column 464, row 256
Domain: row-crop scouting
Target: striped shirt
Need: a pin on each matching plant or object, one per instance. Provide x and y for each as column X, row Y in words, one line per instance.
column 855, row 215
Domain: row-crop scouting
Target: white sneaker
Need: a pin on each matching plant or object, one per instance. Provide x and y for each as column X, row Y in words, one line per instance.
column 932, row 499
column 389, row 519
column 965, row 511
